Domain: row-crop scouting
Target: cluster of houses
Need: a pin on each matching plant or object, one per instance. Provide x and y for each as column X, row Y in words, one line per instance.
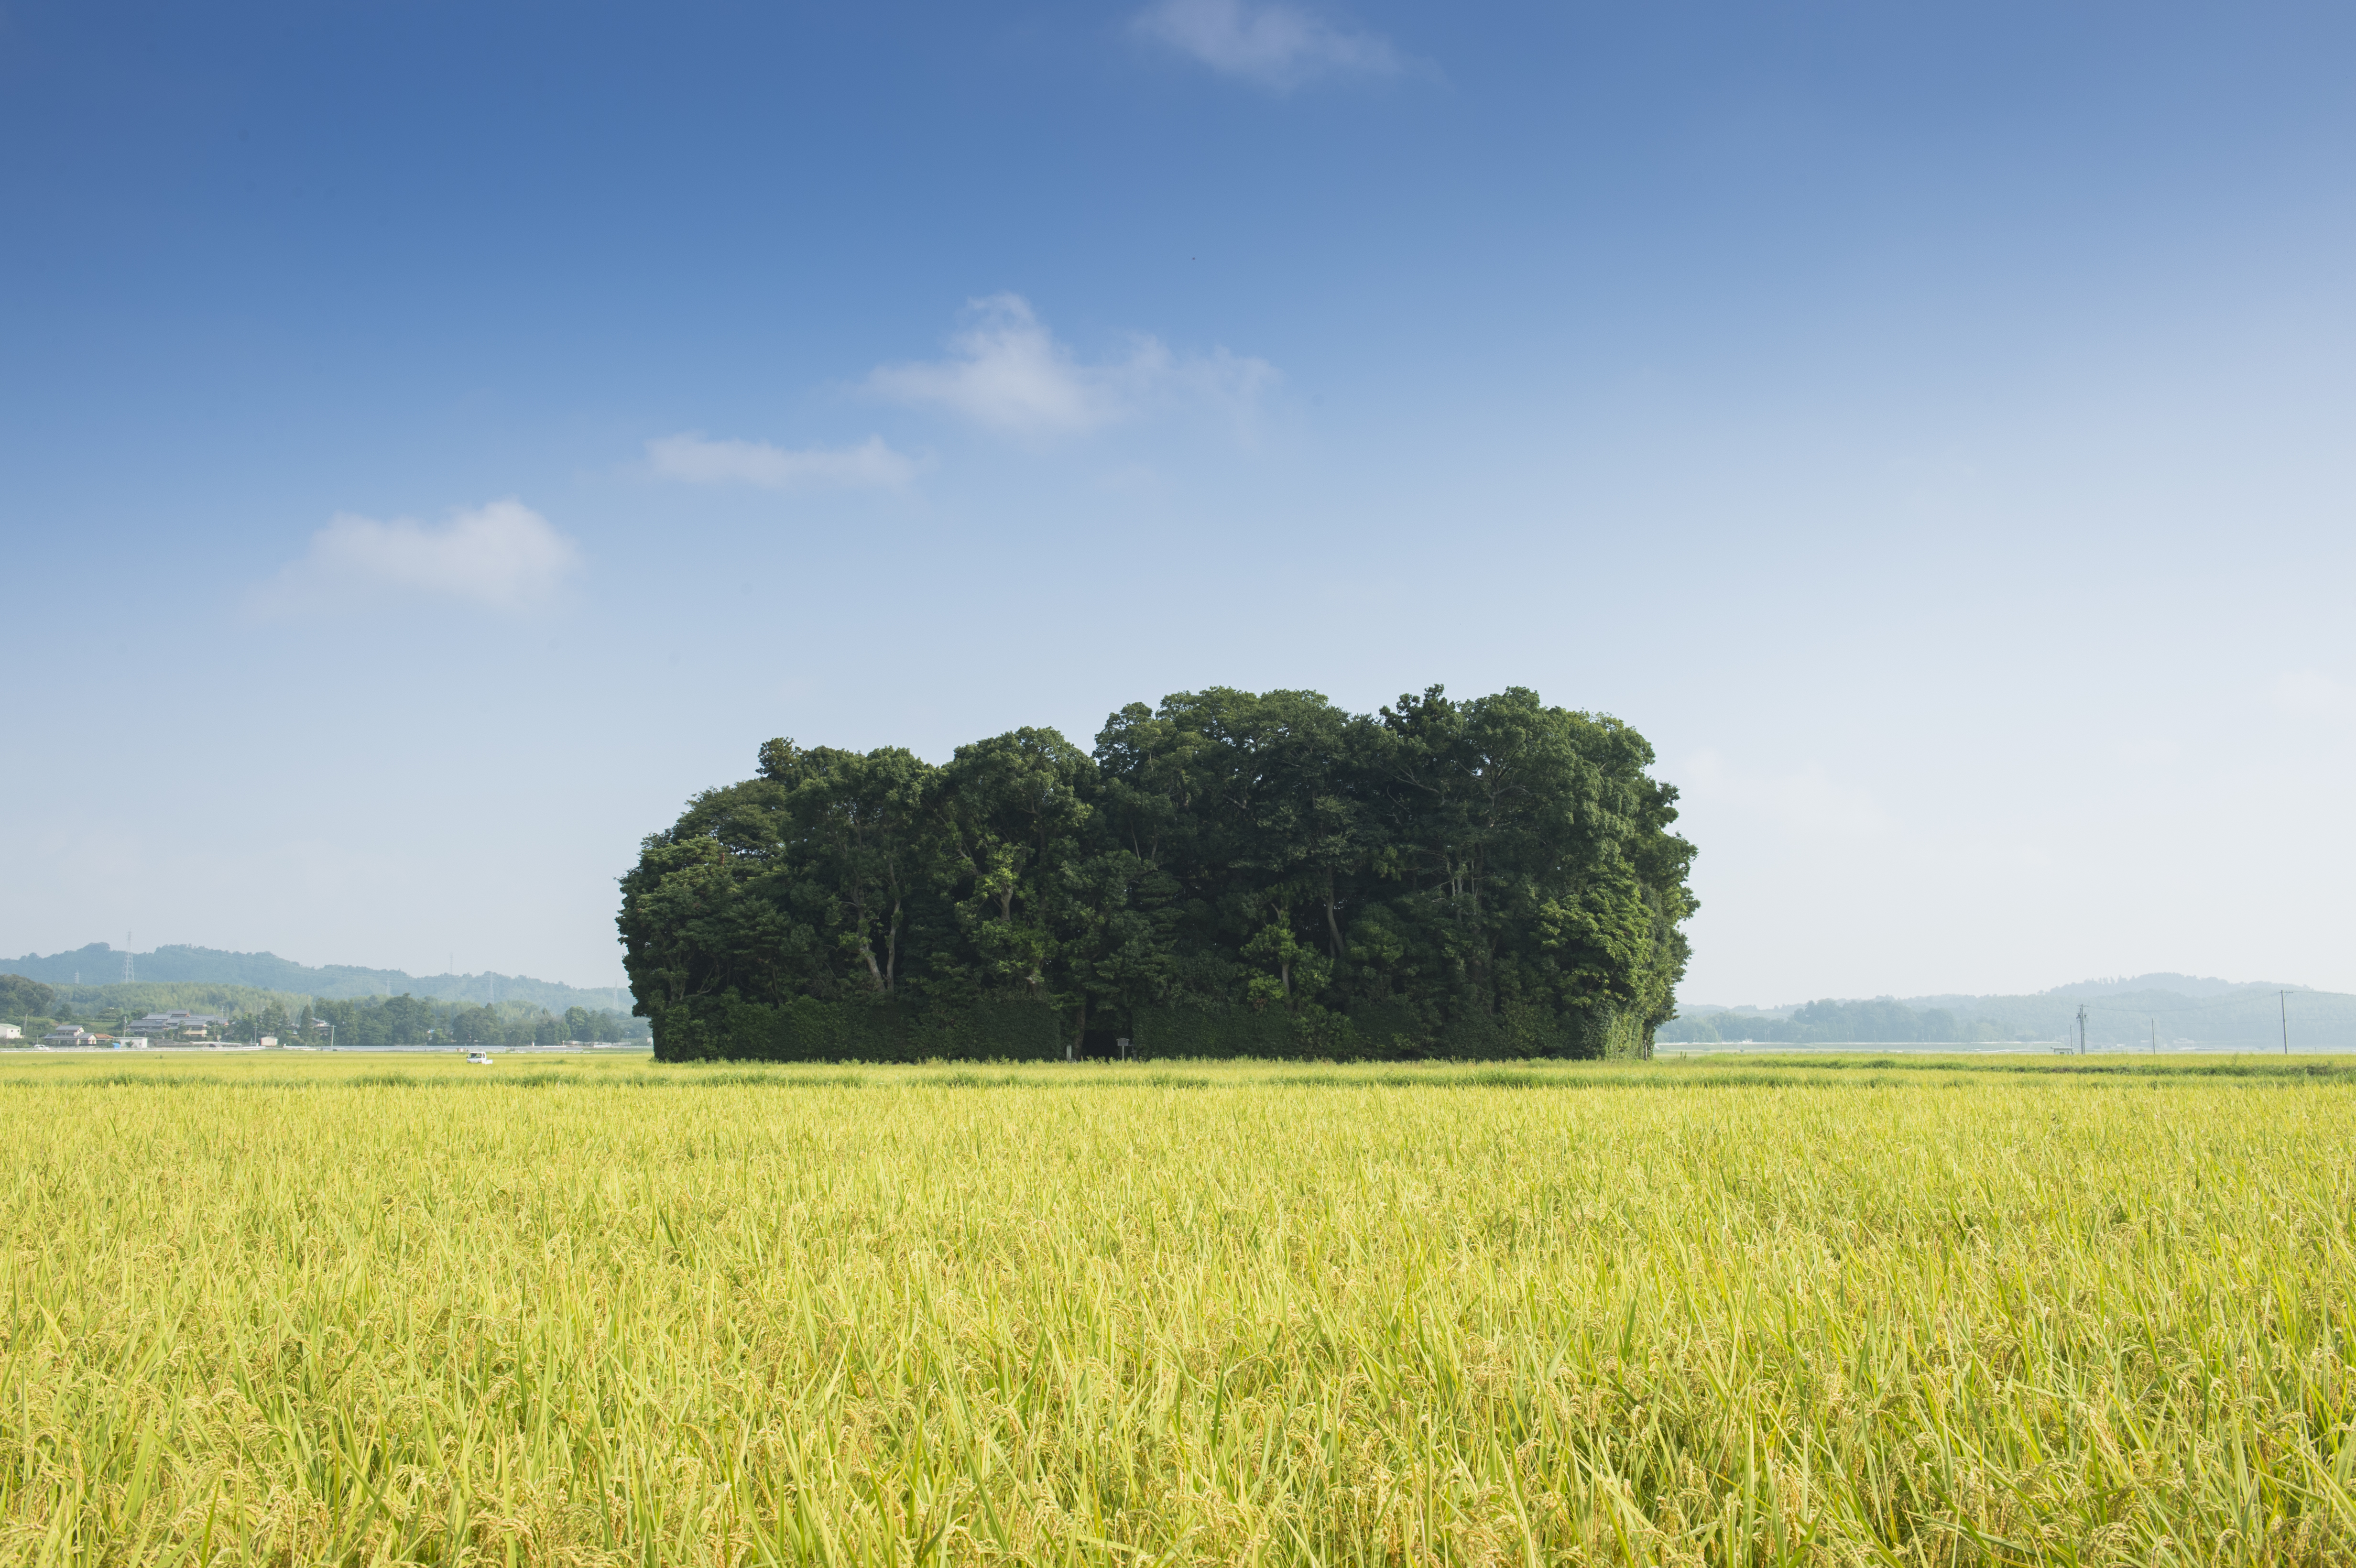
column 140, row 1033
column 74, row 1034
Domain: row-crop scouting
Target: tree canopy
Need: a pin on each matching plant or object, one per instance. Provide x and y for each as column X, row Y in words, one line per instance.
column 21, row 996
column 1440, row 871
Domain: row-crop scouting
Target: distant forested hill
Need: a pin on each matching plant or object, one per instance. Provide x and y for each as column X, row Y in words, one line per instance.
column 101, row 965
column 2178, row 1009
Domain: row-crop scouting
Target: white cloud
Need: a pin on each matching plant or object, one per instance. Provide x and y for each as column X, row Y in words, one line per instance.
column 689, row 456
column 1276, row 46
column 1007, row 371
column 505, row 556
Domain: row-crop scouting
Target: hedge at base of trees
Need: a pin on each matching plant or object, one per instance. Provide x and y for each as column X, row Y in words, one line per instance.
column 803, row 1029
column 1376, row 1031
column 806, row 1030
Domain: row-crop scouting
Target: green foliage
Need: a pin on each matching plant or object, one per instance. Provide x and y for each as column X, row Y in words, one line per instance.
column 121, row 999
column 1221, row 1032
column 23, row 998
column 380, row 1022
column 1229, row 874
column 804, row 1028
column 600, row 1024
column 363, row 1023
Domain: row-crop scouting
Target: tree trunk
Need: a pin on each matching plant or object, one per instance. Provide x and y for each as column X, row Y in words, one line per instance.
column 1080, row 1033
column 1332, row 924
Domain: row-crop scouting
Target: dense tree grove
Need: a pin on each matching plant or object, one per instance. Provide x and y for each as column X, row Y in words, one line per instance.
column 1227, row 874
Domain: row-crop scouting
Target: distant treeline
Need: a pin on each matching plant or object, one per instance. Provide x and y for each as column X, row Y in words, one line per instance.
column 374, row 1023
column 1829, row 1022
column 88, row 1002
column 363, row 1022
column 1227, row 874
column 2254, row 1018
column 2251, row 1017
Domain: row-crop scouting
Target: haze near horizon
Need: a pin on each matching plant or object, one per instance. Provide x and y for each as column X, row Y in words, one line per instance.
column 436, row 442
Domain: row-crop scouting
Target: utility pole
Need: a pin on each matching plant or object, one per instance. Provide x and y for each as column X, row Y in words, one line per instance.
column 2082, row 1029
column 2155, row 1036
column 2282, row 1000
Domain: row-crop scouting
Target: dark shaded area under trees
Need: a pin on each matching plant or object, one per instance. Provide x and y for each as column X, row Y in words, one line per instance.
column 1229, row 874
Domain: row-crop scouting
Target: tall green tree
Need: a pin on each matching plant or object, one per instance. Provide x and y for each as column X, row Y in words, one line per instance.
column 1015, row 812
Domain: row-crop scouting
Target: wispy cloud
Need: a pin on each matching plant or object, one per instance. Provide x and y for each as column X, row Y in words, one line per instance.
column 1006, row 371
column 1274, row 46
column 504, row 556
column 689, row 456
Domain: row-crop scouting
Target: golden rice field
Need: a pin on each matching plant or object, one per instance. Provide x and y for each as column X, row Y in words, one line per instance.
column 270, row 1309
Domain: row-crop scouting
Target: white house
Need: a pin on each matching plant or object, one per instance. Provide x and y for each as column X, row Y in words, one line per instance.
column 10, row 1031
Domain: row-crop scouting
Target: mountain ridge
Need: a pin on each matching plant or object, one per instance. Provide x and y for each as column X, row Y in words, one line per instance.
column 2076, row 990
column 2160, row 1010
column 100, row 963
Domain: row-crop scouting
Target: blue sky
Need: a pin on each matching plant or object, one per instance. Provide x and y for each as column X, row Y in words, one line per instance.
column 437, row 439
